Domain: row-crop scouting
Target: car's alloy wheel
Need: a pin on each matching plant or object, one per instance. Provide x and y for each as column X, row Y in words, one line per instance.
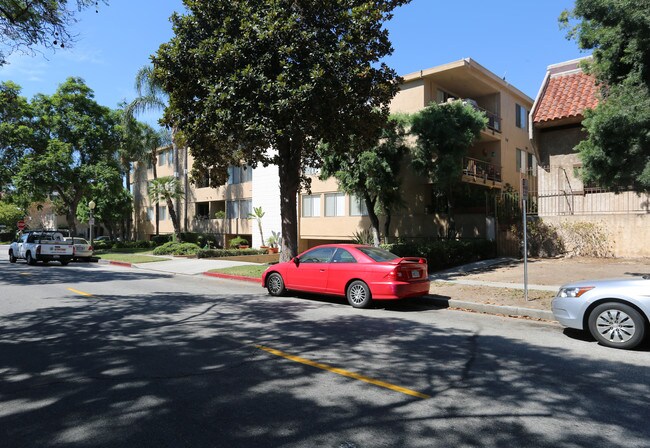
column 275, row 284
column 358, row 294
column 617, row 325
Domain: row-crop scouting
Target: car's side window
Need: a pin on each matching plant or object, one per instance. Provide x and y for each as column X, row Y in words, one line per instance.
column 343, row 256
column 319, row 255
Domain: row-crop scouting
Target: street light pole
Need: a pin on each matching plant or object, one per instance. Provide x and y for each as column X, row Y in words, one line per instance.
column 91, row 221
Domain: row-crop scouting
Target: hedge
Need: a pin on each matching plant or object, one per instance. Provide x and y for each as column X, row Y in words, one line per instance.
column 172, row 248
column 217, row 253
column 443, row 254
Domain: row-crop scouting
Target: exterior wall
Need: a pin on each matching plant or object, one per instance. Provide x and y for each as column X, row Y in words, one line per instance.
column 266, row 194
column 624, row 232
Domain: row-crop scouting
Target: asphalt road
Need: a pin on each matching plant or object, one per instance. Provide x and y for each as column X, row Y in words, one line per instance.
column 104, row 356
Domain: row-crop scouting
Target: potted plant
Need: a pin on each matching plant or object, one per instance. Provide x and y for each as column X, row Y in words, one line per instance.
column 239, row 242
column 273, row 242
column 219, row 214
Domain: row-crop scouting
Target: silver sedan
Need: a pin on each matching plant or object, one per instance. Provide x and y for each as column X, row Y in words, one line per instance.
column 82, row 248
column 615, row 311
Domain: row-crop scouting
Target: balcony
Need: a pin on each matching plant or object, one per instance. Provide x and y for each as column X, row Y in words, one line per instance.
column 494, row 121
column 478, row 172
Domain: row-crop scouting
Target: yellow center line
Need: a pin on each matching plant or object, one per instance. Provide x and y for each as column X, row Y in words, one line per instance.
column 80, row 292
column 343, row 372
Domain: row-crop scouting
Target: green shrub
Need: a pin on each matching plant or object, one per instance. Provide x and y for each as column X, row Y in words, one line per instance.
column 238, row 241
column 161, row 239
column 141, row 244
column 173, row 248
column 217, row 253
column 446, row 253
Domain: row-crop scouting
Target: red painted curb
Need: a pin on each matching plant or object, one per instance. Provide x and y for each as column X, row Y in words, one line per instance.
column 120, row 263
column 234, row 277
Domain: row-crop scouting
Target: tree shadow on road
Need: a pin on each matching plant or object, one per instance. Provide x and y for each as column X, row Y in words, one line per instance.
column 167, row 369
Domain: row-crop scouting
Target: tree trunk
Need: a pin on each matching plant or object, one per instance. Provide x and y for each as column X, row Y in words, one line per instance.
column 174, row 217
column 289, row 170
column 177, row 168
column 154, row 162
column 387, row 225
column 374, row 219
column 126, row 234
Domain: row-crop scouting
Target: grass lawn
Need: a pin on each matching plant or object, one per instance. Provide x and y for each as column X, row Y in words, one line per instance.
column 131, row 257
column 248, row 270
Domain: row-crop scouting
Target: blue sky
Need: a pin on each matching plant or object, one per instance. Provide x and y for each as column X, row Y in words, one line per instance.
column 515, row 39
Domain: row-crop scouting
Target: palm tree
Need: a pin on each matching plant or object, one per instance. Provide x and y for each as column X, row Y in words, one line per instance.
column 167, row 189
column 152, row 97
column 152, row 140
column 257, row 215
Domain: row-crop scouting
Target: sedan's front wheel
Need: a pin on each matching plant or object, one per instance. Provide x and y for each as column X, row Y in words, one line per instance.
column 617, row 325
column 12, row 259
column 275, row 284
column 358, row 294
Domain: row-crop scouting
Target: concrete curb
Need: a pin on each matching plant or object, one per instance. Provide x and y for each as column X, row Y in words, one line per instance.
column 493, row 309
column 234, row 277
column 120, row 263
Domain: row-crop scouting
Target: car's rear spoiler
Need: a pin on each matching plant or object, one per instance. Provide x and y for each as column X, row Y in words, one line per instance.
column 411, row 260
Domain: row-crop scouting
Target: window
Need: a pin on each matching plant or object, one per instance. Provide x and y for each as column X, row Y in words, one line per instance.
column 150, row 214
column 358, row 207
column 318, row 255
column 245, row 208
column 311, row 171
column 162, row 212
column 232, row 209
column 532, row 165
column 161, row 158
column 343, row 256
column 239, row 174
column 170, row 156
column 202, row 210
column 520, row 162
column 311, row 206
column 520, row 116
column 335, row 204
column 442, row 96
column 239, row 209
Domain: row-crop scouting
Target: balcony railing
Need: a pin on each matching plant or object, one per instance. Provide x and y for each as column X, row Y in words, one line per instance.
column 481, row 170
column 494, row 121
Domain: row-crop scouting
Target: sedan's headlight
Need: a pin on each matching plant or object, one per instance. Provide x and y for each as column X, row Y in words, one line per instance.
column 574, row 292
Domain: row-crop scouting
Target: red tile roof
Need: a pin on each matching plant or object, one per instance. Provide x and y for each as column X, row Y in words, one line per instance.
column 566, row 95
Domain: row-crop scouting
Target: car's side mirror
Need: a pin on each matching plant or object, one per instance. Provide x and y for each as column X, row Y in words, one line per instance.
column 296, row 261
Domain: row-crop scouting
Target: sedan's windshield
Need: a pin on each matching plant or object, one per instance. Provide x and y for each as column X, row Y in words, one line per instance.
column 378, row 254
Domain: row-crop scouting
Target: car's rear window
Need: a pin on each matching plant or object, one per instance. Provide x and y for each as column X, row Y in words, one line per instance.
column 377, row 253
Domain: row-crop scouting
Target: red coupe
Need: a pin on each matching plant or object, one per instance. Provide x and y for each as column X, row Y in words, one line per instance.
column 360, row 273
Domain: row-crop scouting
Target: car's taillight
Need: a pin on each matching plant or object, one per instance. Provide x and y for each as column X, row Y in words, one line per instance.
column 74, row 249
column 38, row 250
column 90, row 248
column 396, row 274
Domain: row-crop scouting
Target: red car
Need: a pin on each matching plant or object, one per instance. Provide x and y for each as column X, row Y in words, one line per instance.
column 360, row 273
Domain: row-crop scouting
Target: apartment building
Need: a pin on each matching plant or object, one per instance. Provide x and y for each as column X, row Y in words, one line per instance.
column 499, row 160
column 221, row 211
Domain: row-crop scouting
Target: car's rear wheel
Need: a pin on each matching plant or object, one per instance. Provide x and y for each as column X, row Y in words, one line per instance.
column 617, row 325
column 64, row 262
column 358, row 294
column 12, row 259
column 30, row 260
column 275, row 284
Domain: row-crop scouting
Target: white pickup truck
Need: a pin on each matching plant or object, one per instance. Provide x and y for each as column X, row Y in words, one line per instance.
column 41, row 245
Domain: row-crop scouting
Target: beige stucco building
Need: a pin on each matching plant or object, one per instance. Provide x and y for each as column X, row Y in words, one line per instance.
column 501, row 157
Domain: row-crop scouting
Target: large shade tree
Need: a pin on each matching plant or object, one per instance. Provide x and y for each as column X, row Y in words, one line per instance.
column 616, row 153
column 266, row 82
column 75, row 139
column 444, row 134
column 15, row 131
column 45, row 23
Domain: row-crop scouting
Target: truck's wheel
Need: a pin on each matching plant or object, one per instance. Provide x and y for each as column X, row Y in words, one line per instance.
column 30, row 260
column 64, row 262
column 12, row 259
